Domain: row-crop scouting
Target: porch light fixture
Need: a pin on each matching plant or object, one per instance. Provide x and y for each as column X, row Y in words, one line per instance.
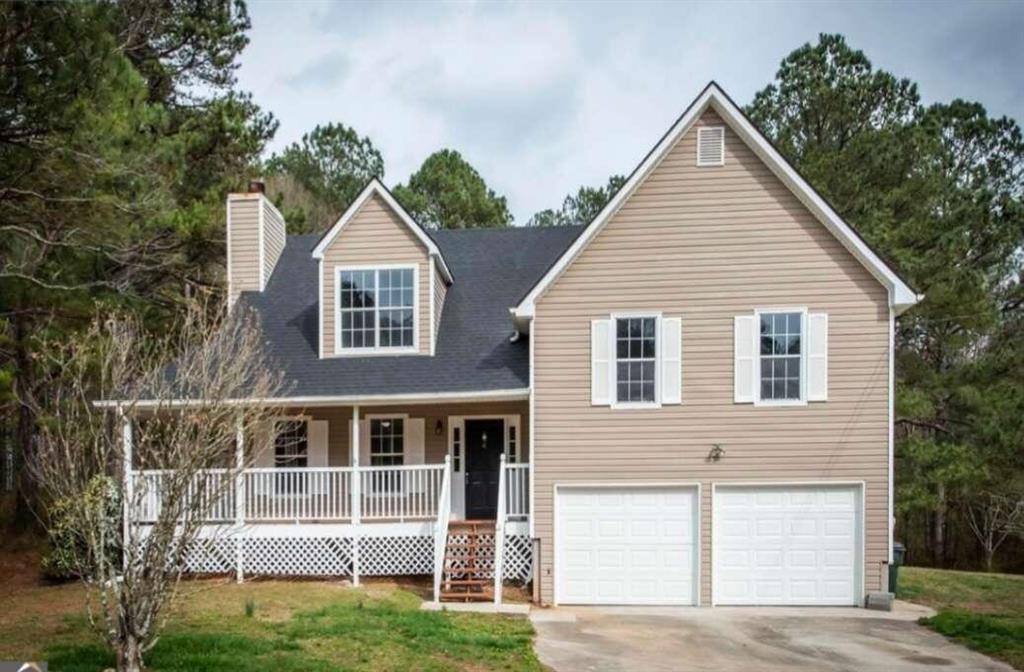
column 438, row 428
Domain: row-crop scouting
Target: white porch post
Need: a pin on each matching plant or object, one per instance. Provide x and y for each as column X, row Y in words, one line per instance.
column 499, row 532
column 126, row 485
column 357, row 495
column 239, row 499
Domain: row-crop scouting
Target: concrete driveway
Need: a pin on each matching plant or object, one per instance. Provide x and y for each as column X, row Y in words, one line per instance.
column 745, row 639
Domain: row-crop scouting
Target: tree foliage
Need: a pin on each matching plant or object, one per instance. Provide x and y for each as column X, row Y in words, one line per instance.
column 938, row 190
column 120, row 133
column 448, row 193
column 317, row 178
column 579, row 208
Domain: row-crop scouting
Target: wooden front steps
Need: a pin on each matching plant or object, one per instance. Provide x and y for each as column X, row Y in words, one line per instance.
column 468, row 574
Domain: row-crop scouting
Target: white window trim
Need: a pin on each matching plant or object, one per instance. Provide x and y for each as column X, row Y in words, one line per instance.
column 414, row 349
column 701, row 130
column 802, row 401
column 613, row 373
column 370, row 417
column 274, row 420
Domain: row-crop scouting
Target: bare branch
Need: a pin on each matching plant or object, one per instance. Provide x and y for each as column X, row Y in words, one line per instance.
column 132, row 572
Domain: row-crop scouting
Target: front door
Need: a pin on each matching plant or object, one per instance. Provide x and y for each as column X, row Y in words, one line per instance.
column 485, row 441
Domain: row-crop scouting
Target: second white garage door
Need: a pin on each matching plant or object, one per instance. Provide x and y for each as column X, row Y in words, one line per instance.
column 787, row 545
column 626, row 545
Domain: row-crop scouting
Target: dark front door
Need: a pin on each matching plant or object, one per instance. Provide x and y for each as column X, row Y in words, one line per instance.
column 485, row 441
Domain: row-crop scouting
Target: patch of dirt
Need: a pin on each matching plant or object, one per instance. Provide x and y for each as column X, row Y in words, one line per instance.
column 20, row 569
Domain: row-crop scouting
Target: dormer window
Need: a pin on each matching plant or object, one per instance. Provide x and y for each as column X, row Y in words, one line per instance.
column 376, row 309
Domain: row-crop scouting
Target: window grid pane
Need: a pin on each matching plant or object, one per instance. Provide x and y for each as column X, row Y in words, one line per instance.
column 387, row 444
column 291, row 445
column 376, row 308
column 636, row 352
column 781, row 350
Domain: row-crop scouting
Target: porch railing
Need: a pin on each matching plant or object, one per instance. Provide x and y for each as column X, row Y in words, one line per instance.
column 295, row 494
column 444, row 510
column 517, row 491
column 400, row 493
column 213, row 488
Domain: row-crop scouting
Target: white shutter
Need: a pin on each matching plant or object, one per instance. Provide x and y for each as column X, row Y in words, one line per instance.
column 415, row 448
column 364, row 441
column 316, row 454
column 817, row 356
column 743, row 359
column 671, row 360
column 600, row 362
column 261, row 443
column 317, row 446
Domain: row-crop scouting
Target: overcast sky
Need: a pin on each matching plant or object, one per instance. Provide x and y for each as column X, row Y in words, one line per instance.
column 542, row 98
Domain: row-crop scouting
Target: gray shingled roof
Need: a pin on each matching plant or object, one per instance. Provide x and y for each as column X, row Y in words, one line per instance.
column 492, row 269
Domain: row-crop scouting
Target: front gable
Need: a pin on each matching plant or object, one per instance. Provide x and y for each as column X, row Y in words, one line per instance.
column 377, row 238
column 714, row 110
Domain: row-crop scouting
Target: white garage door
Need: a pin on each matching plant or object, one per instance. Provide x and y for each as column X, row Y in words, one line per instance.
column 795, row 545
column 626, row 545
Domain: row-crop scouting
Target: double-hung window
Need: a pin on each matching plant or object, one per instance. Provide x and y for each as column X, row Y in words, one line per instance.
column 387, row 449
column 376, row 309
column 781, row 357
column 387, row 442
column 291, row 450
column 636, row 345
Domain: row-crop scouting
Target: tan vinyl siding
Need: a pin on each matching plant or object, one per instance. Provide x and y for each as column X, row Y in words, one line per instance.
column 243, row 244
column 706, row 244
column 375, row 235
column 273, row 238
column 338, row 418
column 244, row 221
column 440, row 291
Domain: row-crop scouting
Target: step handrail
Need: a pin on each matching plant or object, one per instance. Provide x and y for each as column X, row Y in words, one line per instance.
column 444, row 507
column 499, row 532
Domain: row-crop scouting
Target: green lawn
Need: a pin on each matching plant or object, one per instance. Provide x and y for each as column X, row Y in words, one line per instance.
column 306, row 626
column 982, row 611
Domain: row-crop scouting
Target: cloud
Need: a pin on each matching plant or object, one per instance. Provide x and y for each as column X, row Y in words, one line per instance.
column 545, row 98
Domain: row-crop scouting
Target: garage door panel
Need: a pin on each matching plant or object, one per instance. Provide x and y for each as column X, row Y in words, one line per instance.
column 786, row 544
column 637, row 547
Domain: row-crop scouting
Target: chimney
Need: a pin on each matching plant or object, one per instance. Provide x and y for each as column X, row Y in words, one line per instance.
column 255, row 239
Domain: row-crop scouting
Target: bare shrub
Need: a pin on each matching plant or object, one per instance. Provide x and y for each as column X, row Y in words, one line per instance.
column 116, row 400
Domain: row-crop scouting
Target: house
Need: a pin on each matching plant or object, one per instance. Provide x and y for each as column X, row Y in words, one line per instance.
column 687, row 401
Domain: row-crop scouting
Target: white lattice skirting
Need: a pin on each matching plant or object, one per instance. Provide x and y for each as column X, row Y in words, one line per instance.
column 319, row 552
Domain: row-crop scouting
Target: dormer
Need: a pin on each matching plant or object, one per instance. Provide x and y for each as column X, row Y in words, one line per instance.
column 382, row 281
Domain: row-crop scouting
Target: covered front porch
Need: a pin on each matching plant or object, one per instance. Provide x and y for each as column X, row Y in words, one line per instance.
column 299, row 500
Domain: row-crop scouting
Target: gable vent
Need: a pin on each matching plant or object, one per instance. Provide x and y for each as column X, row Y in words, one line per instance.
column 711, row 146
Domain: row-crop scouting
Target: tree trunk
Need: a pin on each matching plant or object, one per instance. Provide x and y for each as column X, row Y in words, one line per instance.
column 990, row 556
column 129, row 655
column 939, row 535
column 26, row 424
